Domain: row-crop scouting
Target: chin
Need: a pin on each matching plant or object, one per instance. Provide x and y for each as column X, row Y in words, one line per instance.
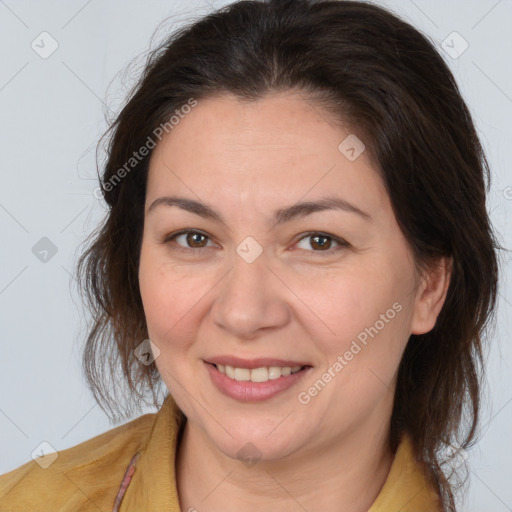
column 252, row 441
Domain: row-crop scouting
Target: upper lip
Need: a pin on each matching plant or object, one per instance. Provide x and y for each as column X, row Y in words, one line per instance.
column 259, row 362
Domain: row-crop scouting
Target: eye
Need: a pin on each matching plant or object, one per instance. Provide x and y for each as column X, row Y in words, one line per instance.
column 196, row 239
column 323, row 241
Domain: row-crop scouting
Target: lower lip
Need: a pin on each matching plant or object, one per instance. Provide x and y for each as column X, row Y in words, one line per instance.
column 248, row 391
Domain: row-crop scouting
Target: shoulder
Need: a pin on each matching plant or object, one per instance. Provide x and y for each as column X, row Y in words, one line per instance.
column 84, row 476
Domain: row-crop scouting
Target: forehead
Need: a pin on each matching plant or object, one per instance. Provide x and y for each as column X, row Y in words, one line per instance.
column 283, row 120
column 226, row 148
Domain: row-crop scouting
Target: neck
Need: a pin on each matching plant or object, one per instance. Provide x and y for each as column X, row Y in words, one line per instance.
column 346, row 476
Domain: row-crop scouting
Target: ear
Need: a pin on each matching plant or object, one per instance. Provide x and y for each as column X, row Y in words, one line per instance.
column 431, row 295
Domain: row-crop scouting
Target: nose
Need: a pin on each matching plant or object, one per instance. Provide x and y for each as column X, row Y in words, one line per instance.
column 251, row 300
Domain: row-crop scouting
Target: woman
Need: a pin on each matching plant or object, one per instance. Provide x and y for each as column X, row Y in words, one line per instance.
column 295, row 246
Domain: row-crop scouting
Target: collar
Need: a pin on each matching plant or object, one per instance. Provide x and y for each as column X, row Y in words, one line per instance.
column 153, row 484
column 406, row 488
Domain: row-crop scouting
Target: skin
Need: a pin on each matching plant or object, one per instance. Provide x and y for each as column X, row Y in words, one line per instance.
column 295, row 301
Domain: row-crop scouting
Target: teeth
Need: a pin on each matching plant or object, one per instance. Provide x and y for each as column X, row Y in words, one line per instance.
column 242, row 374
column 257, row 374
column 274, row 372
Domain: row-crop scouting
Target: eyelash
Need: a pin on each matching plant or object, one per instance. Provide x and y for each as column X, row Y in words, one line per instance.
column 341, row 243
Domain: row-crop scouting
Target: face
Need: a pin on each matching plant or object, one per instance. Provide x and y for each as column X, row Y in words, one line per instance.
column 265, row 287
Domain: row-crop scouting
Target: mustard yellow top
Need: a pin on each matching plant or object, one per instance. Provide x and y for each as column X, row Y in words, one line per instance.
column 130, row 468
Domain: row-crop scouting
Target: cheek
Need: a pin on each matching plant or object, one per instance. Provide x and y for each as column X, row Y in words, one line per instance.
column 162, row 296
column 367, row 313
column 347, row 303
column 171, row 297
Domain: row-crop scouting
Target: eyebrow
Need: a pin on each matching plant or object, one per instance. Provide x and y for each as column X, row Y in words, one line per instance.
column 281, row 216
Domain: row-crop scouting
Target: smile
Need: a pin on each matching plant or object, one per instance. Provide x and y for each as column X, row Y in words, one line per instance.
column 262, row 374
column 254, row 384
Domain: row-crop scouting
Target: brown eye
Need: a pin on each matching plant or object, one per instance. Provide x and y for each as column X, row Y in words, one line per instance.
column 320, row 241
column 191, row 240
column 323, row 242
column 195, row 239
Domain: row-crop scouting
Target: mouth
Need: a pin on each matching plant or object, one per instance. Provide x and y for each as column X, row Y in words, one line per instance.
column 254, row 380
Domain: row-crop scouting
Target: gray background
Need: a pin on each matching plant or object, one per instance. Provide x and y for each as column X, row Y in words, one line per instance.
column 52, row 114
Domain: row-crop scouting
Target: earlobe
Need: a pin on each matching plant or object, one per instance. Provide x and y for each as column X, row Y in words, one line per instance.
column 431, row 296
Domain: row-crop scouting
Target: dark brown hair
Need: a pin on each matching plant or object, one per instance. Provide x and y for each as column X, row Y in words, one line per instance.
column 384, row 79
